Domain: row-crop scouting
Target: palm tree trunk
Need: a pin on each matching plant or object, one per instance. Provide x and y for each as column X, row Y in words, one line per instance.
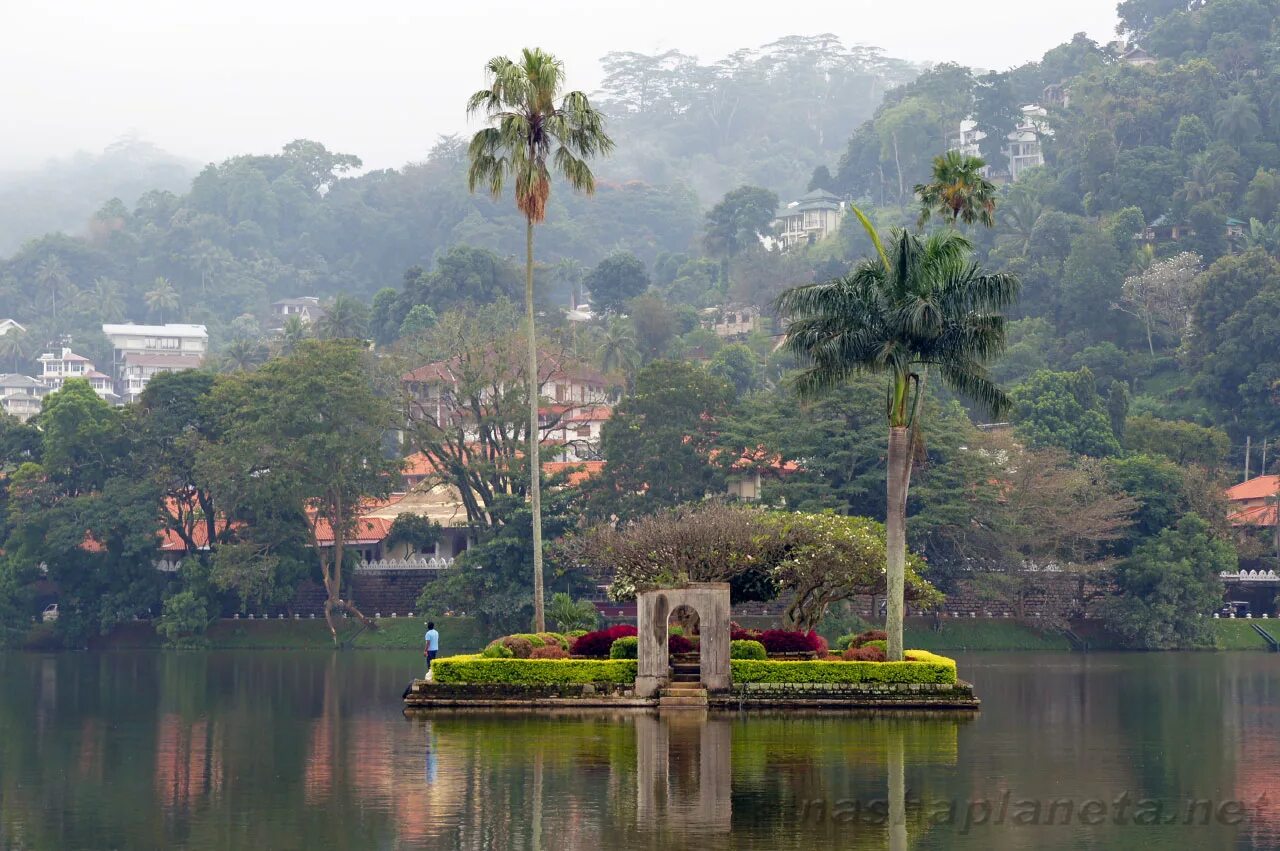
column 535, row 467
column 895, row 525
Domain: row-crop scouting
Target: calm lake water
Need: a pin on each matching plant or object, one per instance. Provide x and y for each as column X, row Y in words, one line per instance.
column 259, row 750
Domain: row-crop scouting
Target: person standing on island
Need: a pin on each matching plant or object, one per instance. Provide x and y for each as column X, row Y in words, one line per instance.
column 432, row 639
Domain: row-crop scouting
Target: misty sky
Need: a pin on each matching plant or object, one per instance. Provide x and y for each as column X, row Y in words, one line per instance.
column 382, row 78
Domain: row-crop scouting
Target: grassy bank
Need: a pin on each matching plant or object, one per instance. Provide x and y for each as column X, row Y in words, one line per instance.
column 1240, row 634
column 980, row 634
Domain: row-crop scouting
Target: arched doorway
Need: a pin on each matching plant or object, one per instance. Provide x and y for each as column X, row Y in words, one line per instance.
column 709, row 603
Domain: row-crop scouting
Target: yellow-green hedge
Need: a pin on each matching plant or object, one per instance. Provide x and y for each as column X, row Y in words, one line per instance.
column 475, row 670
column 929, row 668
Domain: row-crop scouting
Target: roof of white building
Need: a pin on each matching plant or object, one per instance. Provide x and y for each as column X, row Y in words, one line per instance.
column 171, row 330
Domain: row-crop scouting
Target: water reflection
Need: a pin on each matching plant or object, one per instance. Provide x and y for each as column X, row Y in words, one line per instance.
column 294, row 750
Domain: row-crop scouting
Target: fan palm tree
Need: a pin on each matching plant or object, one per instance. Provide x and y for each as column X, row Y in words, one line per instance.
column 1019, row 214
column 15, row 347
column 1207, row 178
column 533, row 129
column 618, row 352
column 293, row 332
column 958, row 191
column 1237, row 120
column 1266, row 237
column 345, row 318
column 921, row 305
column 53, row 276
column 242, row 355
column 161, row 298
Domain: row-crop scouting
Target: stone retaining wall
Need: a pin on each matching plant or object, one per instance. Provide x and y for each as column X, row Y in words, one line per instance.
column 850, row 695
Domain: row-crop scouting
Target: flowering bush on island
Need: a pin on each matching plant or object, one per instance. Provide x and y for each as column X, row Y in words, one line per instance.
column 781, row 640
column 596, row 644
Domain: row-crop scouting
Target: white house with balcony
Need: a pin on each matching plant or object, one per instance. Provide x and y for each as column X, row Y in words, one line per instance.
column 307, row 308
column 1022, row 149
column 57, row 367
column 141, row 351
column 808, row 219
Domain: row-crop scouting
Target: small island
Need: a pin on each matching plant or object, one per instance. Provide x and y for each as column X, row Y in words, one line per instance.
column 659, row 665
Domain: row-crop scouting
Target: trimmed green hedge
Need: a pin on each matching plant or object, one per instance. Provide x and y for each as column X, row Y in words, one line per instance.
column 474, row 669
column 745, row 648
column 929, row 669
column 627, row 647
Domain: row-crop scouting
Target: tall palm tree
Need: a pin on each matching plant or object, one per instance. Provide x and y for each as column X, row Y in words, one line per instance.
column 161, row 298
column 618, row 352
column 15, row 347
column 106, row 295
column 922, row 305
column 345, row 318
column 533, row 129
column 958, row 191
column 53, row 276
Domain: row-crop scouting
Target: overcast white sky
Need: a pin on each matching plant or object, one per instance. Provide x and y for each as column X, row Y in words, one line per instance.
column 382, row 78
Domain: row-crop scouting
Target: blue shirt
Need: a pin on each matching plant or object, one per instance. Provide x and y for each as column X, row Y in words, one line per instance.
column 433, row 640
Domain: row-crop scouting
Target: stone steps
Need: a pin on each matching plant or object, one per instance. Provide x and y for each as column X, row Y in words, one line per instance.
column 684, row 685
column 683, row 699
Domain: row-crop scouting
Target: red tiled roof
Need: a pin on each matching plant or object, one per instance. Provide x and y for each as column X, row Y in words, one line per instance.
column 1255, row 515
column 1258, row 487
column 368, row 530
column 579, row 471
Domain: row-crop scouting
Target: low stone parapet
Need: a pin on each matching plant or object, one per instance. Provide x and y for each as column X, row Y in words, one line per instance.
column 957, row 695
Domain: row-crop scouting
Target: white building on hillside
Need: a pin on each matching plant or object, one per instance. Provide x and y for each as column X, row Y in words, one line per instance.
column 7, row 325
column 1022, row 148
column 307, row 308
column 141, row 351
column 21, row 395
column 809, row 218
column 57, row 367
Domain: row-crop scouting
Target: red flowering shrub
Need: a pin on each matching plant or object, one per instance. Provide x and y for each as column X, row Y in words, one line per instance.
column 786, row 641
column 864, row 654
column 738, row 633
column 680, row 644
column 551, row 651
column 520, row 647
column 596, row 644
column 870, row 635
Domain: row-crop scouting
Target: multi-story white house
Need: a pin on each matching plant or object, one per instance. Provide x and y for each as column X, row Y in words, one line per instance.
column 57, row 367
column 808, row 219
column 307, row 308
column 1022, row 147
column 21, row 395
column 141, row 351
column 732, row 321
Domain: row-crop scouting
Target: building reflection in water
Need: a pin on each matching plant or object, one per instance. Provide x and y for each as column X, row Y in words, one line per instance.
column 684, row 776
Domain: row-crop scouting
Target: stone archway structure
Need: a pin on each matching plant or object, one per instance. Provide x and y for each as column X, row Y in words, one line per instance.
column 653, row 609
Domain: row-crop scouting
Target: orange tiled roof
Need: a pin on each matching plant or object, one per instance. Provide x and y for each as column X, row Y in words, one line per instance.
column 1258, row 487
column 579, row 471
column 1254, row 515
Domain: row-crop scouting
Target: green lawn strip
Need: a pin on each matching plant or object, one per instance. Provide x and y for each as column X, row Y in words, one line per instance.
column 457, row 635
column 980, row 634
column 1239, row 634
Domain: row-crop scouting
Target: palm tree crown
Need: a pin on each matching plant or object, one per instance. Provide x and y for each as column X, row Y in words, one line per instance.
column 924, row 304
column 528, row 128
column 958, row 191
column 161, row 298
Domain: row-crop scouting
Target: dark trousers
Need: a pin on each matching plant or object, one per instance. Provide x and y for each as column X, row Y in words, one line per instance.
column 431, row 654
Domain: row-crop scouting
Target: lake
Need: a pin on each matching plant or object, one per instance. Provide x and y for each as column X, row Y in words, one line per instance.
column 267, row 750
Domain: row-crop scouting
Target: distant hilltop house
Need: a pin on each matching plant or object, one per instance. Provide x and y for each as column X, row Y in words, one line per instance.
column 140, row 352
column 307, row 308
column 808, row 219
column 1022, row 148
column 731, row 321
column 57, row 367
column 1137, row 56
column 1165, row 229
column 21, row 395
column 7, row 325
